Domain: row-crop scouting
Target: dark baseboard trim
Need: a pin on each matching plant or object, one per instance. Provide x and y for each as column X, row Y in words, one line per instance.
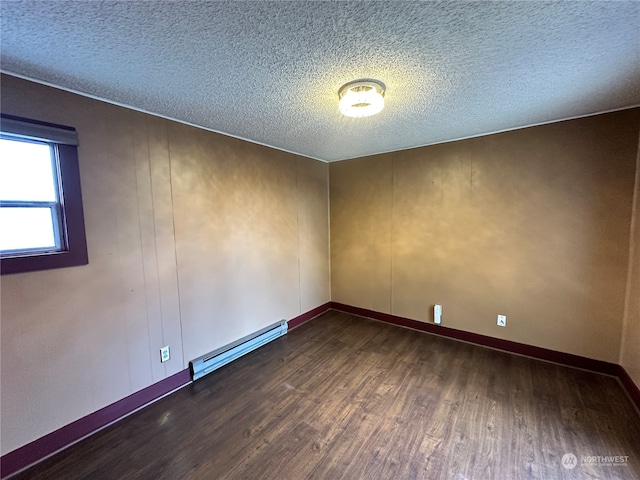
column 65, row 436
column 69, row 434
column 492, row 342
column 305, row 317
column 43, row 447
column 630, row 386
column 540, row 353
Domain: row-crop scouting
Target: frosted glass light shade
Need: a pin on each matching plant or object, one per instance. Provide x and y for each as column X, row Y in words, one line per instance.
column 361, row 98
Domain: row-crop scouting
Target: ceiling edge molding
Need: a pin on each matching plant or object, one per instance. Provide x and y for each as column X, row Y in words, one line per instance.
column 522, row 127
column 130, row 107
column 119, row 104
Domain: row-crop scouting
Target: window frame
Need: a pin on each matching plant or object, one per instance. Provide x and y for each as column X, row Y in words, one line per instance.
column 64, row 147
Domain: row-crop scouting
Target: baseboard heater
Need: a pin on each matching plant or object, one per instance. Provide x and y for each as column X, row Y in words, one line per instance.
column 223, row 355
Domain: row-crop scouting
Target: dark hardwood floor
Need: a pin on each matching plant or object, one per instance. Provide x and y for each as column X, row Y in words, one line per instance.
column 343, row 397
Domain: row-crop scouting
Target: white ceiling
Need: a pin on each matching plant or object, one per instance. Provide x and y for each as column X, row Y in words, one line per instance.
column 269, row 71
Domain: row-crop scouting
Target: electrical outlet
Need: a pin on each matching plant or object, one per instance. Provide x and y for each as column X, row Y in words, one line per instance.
column 437, row 314
column 502, row 320
column 165, row 354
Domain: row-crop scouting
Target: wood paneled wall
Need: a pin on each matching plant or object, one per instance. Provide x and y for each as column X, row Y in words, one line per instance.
column 533, row 224
column 630, row 351
column 195, row 240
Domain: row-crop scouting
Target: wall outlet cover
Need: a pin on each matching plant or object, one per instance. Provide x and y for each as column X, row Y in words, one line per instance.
column 502, row 320
column 165, row 354
column 437, row 314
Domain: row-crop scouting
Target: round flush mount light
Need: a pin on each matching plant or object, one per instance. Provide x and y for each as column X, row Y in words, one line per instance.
column 361, row 98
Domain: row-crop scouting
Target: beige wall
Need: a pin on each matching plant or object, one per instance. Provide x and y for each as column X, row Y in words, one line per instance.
column 251, row 236
column 194, row 239
column 533, row 224
column 630, row 351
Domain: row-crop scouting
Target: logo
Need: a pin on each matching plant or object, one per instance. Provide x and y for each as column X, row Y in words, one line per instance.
column 605, row 460
column 569, row 461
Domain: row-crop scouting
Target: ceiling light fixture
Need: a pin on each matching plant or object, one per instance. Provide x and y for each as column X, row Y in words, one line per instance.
column 361, row 98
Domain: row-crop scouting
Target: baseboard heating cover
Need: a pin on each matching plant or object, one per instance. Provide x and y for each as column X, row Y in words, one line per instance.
column 223, row 355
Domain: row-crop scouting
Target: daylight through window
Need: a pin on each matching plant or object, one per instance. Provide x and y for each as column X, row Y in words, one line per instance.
column 41, row 218
column 30, row 209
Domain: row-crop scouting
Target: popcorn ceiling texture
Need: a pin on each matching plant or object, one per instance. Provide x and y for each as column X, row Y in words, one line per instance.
column 269, row 72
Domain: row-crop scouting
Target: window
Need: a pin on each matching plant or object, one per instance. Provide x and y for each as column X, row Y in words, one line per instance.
column 41, row 216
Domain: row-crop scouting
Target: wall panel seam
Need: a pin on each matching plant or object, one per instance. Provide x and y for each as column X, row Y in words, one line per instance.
column 633, row 227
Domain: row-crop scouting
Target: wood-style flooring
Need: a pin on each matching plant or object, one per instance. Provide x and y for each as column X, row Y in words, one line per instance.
column 343, row 397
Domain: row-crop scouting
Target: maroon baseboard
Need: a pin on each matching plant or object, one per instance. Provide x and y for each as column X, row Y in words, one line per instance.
column 498, row 343
column 69, row 434
column 65, row 436
column 630, row 386
column 305, row 317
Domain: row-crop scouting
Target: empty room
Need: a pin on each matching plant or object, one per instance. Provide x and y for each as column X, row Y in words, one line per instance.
column 319, row 240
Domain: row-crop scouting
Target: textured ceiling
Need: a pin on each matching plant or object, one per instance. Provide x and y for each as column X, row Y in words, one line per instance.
column 269, row 71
